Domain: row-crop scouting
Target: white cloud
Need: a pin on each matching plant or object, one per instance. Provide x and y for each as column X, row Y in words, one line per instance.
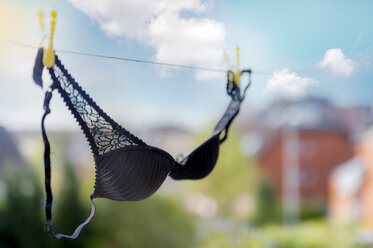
column 162, row 24
column 14, row 59
column 337, row 63
column 288, row 84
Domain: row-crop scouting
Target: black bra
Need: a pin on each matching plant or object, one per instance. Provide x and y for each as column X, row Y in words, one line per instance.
column 127, row 169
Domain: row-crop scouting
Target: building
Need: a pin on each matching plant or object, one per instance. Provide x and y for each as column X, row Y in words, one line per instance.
column 9, row 154
column 351, row 186
column 319, row 152
column 298, row 144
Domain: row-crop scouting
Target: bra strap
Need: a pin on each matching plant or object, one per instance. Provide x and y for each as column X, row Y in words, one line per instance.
column 234, row 91
column 227, row 119
column 47, row 182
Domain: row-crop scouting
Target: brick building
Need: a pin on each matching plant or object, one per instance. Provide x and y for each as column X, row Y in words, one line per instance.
column 319, row 152
column 325, row 138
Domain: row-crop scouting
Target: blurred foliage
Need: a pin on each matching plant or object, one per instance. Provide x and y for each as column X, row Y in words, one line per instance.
column 267, row 208
column 155, row 222
column 21, row 222
column 315, row 234
column 312, row 212
column 233, row 175
column 69, row 212
column 309, row 234
column 159, row 221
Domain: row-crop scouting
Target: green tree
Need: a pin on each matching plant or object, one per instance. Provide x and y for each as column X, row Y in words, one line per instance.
column 234, row 174
column 155, row 222
column 267, row 209
column 69, row 212
column 21, row 220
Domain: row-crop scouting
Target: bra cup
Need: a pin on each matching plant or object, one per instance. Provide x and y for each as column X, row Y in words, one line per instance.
column 132, row 173
column 200, row 162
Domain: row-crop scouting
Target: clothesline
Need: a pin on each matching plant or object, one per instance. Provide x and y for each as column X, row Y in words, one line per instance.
column 220, row 70
column 124, row 58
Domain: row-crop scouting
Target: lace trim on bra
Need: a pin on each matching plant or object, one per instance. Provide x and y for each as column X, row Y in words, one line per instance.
column 102, row 132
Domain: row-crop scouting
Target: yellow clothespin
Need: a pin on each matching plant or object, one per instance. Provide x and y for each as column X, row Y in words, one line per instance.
column 229, row 67
column 41, row 22
column 48, row 59
column 236, row 76
column 226, row 60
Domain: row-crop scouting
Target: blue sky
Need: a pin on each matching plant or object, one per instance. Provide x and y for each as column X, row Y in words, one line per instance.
column 287, row 41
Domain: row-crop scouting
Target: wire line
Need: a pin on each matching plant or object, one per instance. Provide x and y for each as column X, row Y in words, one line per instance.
column 134, row 60
column 123, row 58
